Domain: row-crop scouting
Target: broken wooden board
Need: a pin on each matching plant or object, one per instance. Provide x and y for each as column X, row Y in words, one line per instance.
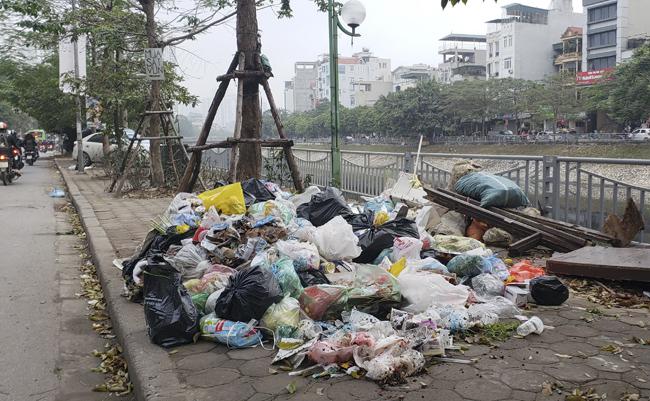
column 625, row 229
column 629, row 264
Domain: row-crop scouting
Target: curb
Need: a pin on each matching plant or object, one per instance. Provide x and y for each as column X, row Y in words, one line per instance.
column 150, row 368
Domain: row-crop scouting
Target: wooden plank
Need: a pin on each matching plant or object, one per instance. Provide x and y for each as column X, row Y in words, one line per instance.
column 630, row 264
column 230, row 142
column 525, row 244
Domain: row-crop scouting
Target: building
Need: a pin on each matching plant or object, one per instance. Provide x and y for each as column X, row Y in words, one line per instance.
column 405, row 77
column 520, row 43
column 463, row 58
column 613, row 29
column 305, row 83
column 363, row 78
column 289, row 105
column 568, row 52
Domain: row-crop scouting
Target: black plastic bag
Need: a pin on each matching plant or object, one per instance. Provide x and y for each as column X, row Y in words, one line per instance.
column 376, row 239
column 309, row 277
column 172, row 318
column 248, row 295
column 324, row 206
column 257, row 189
column 361, row 221
column 548, row 290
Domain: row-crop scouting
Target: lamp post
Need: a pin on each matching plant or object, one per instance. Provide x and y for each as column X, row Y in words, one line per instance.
column 353, row 14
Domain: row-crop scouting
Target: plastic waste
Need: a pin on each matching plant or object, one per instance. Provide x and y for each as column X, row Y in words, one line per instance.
column 308, row 329
column 324, row 206
column 303, row 254
column 377, row 203
column 57, row 193
column 326, row 353
column 498, row 306
column 427, row 264
column 423, row 290
column 427, row 218
column 252, row 247
column 248, row 295
column 454, row 318
column 532, row 325
column 287, row 277
column 257, row 189
column 316, row 301
column 497, row 237
column 491, row 190
column 548, row 290
column 451, row 223
column 381, row 217
column 373, row 290
column 524, row 271
column 396, row 268
column 210, row 218
column 209, row 283
column 376, row 239
column 304, row 197
column 199, row 301
column 284, row 313
column 487, row 285
column 476, row 229
column 212, row 301
column 172, row 319
column 336, row 241
column 494, row 265
column 309, row 277
column 228, row 199
column 466, row 265
column 276, row 208
column 361, row 321
column 361, row 221
column 461, row 169
column 395, row 364
column 183, row 202
column 187, row 259
column 301, row 229
column 452, row 244
column 232, row 334
column 406, row 247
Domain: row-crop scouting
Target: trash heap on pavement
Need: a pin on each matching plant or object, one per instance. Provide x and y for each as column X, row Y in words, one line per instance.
column 373, row 288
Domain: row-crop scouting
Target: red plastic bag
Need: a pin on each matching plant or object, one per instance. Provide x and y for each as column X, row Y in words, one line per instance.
column 524, row 270
column 316, row 300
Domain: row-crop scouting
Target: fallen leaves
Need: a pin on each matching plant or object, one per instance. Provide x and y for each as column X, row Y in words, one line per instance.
column 614, row 349
column 612, row 295
column 585, row 395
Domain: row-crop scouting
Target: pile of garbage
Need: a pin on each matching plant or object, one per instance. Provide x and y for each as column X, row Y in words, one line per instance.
column 368, row 289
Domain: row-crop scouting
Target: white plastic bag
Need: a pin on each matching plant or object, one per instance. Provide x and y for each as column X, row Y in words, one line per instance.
column 283, row 313
column 303, row 254
column 335, row 240
column 304, row 197
column 427, row 264
column 182, row 203
column 487, row 285
column 187, row 260
column 424, row 290
column 452, row 223
column 406, row 247
column 499, row 306
column 427, row 218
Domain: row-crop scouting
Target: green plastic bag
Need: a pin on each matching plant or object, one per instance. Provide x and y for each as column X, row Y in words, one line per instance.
column 289, row 280
column 491, row 190
column 283, row 316
column 199, row 301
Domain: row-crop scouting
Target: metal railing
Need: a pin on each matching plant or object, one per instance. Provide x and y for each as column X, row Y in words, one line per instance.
column 577, row 190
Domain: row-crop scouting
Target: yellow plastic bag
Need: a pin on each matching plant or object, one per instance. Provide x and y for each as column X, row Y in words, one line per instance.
column 380, row 218
column 397, row 267
column 228, row 199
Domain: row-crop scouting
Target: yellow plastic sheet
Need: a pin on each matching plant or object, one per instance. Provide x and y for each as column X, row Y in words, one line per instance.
column 397, row 267
column 228, row 199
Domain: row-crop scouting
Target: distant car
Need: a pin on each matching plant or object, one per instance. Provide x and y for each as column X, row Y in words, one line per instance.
column 93, row 150
column 640, row 134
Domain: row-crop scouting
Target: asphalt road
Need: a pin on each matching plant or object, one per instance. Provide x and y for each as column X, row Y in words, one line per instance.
column 46, row 339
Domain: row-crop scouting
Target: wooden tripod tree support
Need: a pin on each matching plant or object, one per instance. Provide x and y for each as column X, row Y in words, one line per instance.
column 194, row 165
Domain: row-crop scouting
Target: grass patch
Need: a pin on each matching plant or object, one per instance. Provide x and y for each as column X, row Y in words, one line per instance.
column 490, row 333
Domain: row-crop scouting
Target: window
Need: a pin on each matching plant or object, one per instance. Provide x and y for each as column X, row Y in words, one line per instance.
column 496, row 48
column 490, row 49
column 96, row 138
column 505, row 42
column 489, row 69
column 351, row 68
column 602, row 39
column 341, row 69
column 510, row 41
column 601, row 63
column 604, row 13
column 507, row 63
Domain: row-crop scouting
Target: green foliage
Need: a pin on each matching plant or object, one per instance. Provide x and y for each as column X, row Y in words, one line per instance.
column 556, row 98
column 625, row 96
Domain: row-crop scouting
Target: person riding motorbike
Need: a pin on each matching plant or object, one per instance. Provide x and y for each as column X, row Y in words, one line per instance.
column 13, row 142
column 30, row 145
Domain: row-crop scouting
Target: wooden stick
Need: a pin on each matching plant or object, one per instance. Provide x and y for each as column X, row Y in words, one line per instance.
column 230, row 142
column 194, row 164
column 126, row 155
column 234, row 150
column 288, row 153
column 242, row 74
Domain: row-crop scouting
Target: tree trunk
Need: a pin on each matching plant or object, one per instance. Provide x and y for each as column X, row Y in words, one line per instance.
column 250, row 159
column 157, row 175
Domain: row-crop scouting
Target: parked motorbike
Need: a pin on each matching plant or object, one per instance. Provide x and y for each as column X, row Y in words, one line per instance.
column 7, row 173
column 31, row 155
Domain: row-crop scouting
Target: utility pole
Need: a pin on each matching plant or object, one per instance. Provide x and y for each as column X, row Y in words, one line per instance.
column 80, row 153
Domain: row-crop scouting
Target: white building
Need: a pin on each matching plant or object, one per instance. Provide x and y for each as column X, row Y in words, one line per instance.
column 613, row 29
column 302, row 94
column 409, row 76
column 363, row 79
column 520, row 44
column 463, row 58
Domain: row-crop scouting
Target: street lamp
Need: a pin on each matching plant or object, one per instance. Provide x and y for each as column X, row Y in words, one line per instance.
column 353, row 14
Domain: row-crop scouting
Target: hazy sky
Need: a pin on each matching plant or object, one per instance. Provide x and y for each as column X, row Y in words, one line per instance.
column 406, row 31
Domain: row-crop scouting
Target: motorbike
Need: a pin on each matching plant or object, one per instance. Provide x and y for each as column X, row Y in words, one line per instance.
column 7, row 173
column 31, row 155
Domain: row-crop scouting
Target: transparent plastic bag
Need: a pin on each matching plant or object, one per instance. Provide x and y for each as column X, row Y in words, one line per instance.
column 500, row 306
column 424, row 289
column 427, row 264
column 287, row 277
column 303, row 254
column 361, row 321
column 282, row 210
column 320, row 300
column 406, row 247
column 187, row 259
column 232, row 334
column 335, row 240
column 487, row 285
column 284, row 313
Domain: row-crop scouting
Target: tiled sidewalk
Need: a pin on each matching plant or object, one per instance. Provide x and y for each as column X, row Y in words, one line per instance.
column 576, row 353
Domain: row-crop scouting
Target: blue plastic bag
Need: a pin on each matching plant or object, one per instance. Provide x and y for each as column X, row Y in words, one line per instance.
column 232, row 334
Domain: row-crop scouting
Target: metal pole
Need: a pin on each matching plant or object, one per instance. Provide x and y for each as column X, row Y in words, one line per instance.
column 334, row 94
column 75, row 49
